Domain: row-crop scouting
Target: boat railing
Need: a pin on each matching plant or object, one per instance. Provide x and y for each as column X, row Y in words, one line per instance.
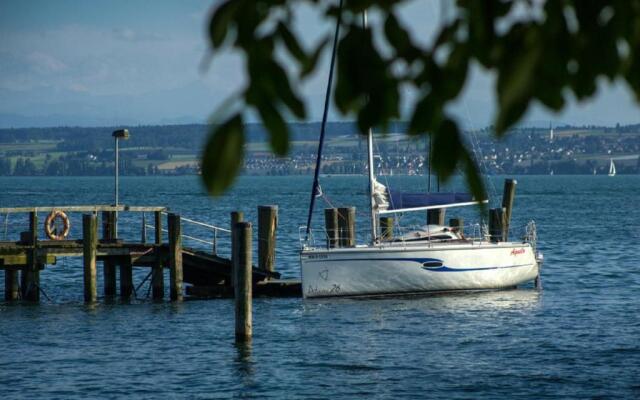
column 531, row 234
column 476, row 234
column 397, row 236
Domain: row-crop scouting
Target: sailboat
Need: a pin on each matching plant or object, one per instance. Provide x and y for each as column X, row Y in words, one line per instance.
column 612, row 168
column 432, row 258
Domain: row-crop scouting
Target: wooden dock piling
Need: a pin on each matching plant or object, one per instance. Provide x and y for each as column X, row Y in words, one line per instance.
column 31, row 272
column 11, row 284
column 331, row 227
column 386, row 228
column 243, row 290
column 347, row 226
column 236, row 216
column 157, row 272
column 436, row 216
column 267, row 226
column 126, row 277
column 108, row 231
column 90, row 250
column 175, row 256
column 508, row 196
column 496, row 224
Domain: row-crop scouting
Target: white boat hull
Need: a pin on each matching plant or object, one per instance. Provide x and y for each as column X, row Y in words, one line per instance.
column 399, row 268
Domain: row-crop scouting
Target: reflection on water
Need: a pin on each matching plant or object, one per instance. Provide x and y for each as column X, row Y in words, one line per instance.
column 243, row 360
column 514, row 299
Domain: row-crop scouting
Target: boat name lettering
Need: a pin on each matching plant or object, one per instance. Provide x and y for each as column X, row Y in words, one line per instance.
column 317, row 256
column 515, row 252
column 334, row 290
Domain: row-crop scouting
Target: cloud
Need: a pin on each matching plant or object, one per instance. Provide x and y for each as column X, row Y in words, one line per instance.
column 78, row 87
column 129, row 35
column 45, row 63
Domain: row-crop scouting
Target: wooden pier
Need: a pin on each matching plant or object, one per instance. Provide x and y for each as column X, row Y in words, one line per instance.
column 206, row 273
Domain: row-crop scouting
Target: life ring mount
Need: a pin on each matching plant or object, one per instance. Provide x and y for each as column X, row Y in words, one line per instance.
column 51, row 225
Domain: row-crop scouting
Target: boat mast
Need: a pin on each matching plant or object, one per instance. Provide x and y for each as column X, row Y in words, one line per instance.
column 374, row 216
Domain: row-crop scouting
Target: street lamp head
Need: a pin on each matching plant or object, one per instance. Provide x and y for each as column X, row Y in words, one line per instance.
column 121, row 134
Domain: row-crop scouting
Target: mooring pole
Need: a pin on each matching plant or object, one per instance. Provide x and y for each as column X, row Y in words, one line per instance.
column 157, row 273
column 90, row 250
column 143, row 232
column 126, row 277
column 108, row 233
column 538, row 281
column 10, row 284
column 267, row 226
column 331, row 226
column 347, row 226
column 242, row 289
column 236, row 216
column 508, row 196
column 175, row 256
column 496, row 224
column 436, row 216
column 31, row 272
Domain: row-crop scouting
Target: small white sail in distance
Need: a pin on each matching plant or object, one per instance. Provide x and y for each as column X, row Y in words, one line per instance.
column 612, row 168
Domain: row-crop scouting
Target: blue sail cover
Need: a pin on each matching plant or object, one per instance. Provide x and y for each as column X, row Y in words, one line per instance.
column 400, row 200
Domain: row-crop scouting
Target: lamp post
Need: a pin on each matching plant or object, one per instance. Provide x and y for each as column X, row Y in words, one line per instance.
column 119, row 134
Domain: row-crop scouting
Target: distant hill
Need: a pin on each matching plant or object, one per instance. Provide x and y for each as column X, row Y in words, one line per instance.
column 189, row 136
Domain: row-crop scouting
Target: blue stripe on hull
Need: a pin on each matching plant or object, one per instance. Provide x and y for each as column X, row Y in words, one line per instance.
column 421, row 261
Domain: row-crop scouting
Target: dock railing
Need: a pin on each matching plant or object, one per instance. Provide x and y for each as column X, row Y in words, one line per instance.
column 12, row 226
column 216, row 233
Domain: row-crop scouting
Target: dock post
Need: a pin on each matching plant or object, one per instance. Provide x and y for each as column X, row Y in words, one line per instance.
column 496, row 224
column 31, row 272
column 143, row 232
column 347, row 226
column 242, row 290
column 236, row 216
column 90, row 250
column 331, row 227
column 436, row 216
column 267, row 226
column 126, row 277
column 10, row 284
column 108, row 231
column 175, row 256
column 386, row 228
column 508, row 196
column 457, row 225
column 157, row 274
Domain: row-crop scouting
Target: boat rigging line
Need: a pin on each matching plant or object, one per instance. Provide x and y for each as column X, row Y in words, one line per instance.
column 323, row 127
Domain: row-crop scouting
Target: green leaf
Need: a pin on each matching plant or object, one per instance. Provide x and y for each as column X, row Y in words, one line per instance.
column 277, row 127
column 222, row 157
column 516, row 77
column 474, row 179
column 312, row 60
column 220, row 22
column 292, row 45
column 426, row 116
column 399, row 38
column 447, row 149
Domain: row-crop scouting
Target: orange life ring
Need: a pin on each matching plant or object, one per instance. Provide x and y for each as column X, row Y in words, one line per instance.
column 50, row 225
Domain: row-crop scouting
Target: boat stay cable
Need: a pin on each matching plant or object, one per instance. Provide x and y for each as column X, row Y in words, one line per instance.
column 316, row 175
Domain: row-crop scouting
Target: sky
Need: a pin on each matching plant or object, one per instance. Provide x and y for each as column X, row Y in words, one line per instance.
column 138, row 62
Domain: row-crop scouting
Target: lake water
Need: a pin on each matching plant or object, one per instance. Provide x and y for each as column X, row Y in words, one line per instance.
column 578, row 338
